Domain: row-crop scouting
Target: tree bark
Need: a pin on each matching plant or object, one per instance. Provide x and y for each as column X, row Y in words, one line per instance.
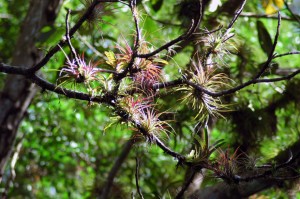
column 18, row 93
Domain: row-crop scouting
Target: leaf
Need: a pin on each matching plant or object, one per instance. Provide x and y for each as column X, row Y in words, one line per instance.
column 279, row 3
column 156, row 4
column 272, row 6
column 205, row 138
column 216, row 145
column 264, row 37
column 111, row 58
column 160, row 61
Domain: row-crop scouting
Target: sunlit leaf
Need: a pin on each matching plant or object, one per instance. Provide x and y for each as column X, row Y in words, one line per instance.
column 272, row 6
column 111, row 58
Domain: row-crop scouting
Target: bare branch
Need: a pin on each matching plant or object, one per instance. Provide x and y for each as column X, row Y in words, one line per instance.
column 258, row 16
column 292, row 13
column 45, row 85
column 73, row 51
column 285, row 54
column 194, row 25
column 56, row 48
column 237, row 14
column 271, row 55
column 136, row 22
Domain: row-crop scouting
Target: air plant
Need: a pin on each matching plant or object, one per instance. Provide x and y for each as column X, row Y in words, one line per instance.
column 134, row 107
column 144, row 72
column 80, row 71
column 203, row 103
column 120, row 60
column 227, row 164
column 145, row 117
column 148, row 75
column 97, row 12
column 150, row 122
column 149, row 70
column 77, row 70
column 202, row 152
column 218, row 46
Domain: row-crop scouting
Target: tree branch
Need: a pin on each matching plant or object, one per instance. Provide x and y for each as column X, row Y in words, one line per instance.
column 271, row 55
column 116, row 167
column 194, row 25
column 258, row 16
column 56, row 48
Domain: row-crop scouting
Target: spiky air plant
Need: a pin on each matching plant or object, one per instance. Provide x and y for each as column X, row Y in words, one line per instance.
column 98, row 11
column 149, row 70
column 144, row 72
column 150, row 122
column 96, row 15
column 134, row 107
column 218, row 46
column 227, row 165
column 146, row 119
column 200, row 155
column 79, row 71
column 148, row 75
column 204, row 104
column 120, row 60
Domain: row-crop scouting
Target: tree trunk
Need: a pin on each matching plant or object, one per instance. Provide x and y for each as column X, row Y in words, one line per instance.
column 18, row 93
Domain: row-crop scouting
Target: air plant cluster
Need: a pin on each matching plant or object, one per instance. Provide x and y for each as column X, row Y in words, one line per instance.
column 204, row 104
column 136, row 100
column 145, row 117
column 144, row 72
column 77, row 70
column 202, row 151
column 219, row 46
column 227, row 166
column 140, row 68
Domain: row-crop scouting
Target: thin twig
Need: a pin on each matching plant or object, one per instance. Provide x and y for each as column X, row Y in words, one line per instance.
column 271, row 55
column 258, row 16
column 285, row 54
column 287, row 77
column 237, row 14
column 292, row 13
column 62, row 42
column 194, row 25
column 136, row 23
column 180, row 81
column 210, row 32
column 73, row 51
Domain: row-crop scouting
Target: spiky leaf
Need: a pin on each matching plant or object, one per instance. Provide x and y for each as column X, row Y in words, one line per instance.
column 111, row 58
